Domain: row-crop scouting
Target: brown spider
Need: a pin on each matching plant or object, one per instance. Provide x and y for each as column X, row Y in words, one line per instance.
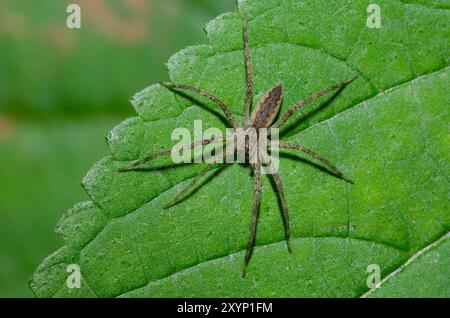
column 263, row 117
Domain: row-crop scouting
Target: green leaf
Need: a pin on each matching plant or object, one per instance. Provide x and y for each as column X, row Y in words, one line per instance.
column 425, row 275
column 388, row 131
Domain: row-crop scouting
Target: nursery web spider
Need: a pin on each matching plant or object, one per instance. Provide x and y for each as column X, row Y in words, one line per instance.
column 263, row 116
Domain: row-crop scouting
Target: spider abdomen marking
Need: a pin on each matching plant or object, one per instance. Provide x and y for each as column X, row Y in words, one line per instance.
column 248, row 140
column 267, row 108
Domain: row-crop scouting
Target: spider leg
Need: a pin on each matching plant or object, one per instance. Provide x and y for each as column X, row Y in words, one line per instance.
column 168, row 152
column 249, row 69
column 256, row 203
column 211, row 97
column 287, row 145
column 310, row 99
column 279, row 184
column 180, row 196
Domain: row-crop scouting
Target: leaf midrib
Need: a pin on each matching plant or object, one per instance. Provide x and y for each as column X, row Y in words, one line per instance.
column 422, row 251
column 409, row 261
column 259, row 247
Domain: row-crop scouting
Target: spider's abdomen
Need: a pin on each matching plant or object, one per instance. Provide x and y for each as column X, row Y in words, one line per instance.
column 267, row 108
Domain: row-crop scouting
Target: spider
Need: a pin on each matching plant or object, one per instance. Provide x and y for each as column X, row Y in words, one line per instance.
column 263, row 116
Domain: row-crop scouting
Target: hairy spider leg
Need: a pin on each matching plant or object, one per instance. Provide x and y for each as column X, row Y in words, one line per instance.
column 154, row 156
column 287, row 145
column 255, row 213
column 310, row 99
column 287, row 227
column 249, row 70
column 211, row 97
column 180, row 196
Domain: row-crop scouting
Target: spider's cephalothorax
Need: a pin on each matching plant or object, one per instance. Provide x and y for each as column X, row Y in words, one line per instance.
column 263, row 116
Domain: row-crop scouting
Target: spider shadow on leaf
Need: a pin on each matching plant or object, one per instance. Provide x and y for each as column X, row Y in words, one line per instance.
column 310, row 163
column 160, row 168
column 203, row 105
column 303, row 117
column 214, row 173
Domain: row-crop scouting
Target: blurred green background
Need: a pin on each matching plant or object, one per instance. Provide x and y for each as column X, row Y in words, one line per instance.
column 61, row 91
